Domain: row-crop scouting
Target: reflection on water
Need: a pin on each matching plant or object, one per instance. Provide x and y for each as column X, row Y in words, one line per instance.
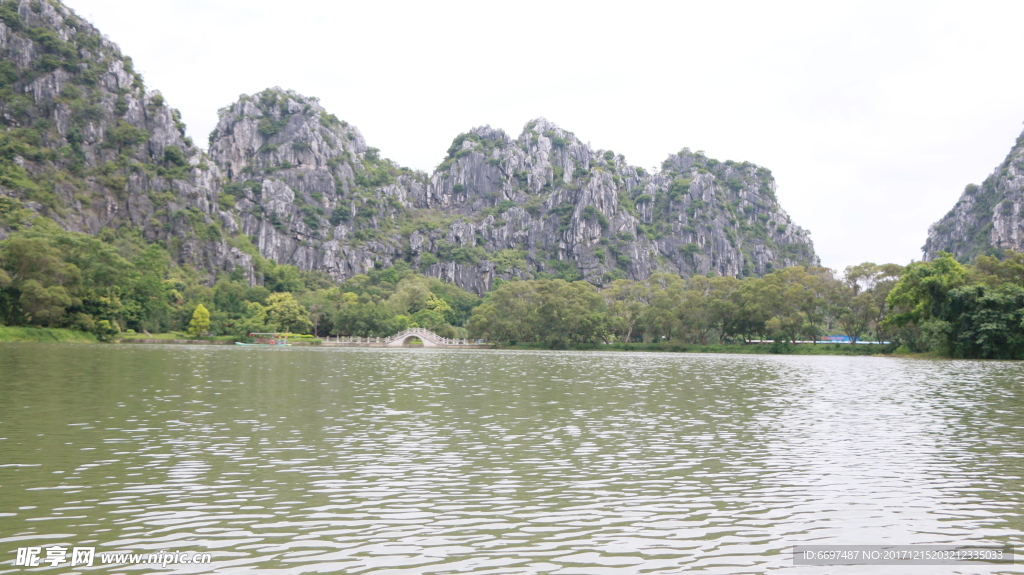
column 435, row 461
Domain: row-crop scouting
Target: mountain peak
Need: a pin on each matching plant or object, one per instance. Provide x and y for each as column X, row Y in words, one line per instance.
column 286, row 180
column 277, row 127
column 987, row 219
column 542, row 125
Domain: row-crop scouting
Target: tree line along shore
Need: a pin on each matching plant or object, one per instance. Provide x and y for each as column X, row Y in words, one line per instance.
column 57, row 285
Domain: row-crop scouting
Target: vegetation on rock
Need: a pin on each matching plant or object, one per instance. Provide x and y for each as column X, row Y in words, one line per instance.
column 111, row 220
column 987, row 219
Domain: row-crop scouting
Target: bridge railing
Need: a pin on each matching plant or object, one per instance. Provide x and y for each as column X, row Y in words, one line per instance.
column 426, row 334
column 419, row 332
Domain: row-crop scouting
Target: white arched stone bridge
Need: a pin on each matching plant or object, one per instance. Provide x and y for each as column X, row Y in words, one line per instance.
column 402, row 339
column 429, row 338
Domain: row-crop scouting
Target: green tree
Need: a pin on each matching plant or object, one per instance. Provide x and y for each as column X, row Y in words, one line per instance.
column 864, row 306
column 553, row 311
column 44, row 305
column 625, row 301
column 318, row 305
column 508, row 313
column 660, row 319
column 922, row 290
column 797, row 301
column 723, row 290
column 105, row 330
column 146, row 296
column 987, row 322
column 707, row 308
column 366, row 318
column 39, row 283
column 411, row 295
column 571, row 312
column 254, row 320
column 858, row 314
column 200, row 322
column 283, row 278
column 229, row 297
column 286, row 314
column 752, row 308
column 461, row 301
column 993, row 272
column 429, row 319
column 696, row 316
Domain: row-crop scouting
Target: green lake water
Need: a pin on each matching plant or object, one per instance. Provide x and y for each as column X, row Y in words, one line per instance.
column 404, row 461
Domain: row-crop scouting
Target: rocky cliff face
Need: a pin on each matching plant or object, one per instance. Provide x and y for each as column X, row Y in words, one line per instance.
column 987, row 218
column 86, row 145
column 306, row 189
column 540, row 205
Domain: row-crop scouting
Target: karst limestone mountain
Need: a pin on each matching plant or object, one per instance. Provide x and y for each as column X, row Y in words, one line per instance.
column 86, row 145
column 987, row 219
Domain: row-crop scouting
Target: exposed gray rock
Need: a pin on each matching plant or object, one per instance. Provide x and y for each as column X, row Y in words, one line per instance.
column 288, row 180
column 987, row 219
column 545, row 201
column 109, row 153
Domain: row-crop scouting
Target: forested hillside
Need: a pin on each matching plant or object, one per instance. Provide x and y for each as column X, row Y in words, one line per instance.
column 113, row 221
column 111, row 285
column 87, row 146
column 84, row 144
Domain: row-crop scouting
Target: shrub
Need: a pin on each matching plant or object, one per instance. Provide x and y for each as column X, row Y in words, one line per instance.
column 592, row 213
column 9, row 15
column 121, row 106
column 267, row 127
column 124, row 134
column 679, row 187
column 175, row 157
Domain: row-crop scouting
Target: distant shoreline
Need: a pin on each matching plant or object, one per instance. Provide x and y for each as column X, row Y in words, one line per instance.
column 55, row 335
column 881, row 350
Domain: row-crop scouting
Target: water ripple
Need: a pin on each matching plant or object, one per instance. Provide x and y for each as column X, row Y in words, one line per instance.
column 402, row 461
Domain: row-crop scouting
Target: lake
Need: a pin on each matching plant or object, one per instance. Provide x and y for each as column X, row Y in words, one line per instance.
column 403, row 461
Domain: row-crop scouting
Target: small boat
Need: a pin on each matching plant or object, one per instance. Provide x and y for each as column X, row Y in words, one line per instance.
column 267, row 339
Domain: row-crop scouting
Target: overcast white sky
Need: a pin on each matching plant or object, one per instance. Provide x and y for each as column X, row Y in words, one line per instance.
column 873, row 116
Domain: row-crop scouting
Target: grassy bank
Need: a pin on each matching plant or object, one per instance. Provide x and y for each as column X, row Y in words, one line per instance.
column 781, row 349
column 173, row 336
column 44, row 334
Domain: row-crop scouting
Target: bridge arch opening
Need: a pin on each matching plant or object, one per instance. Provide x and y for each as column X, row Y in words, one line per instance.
column 407, row 337
column 412, row 341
